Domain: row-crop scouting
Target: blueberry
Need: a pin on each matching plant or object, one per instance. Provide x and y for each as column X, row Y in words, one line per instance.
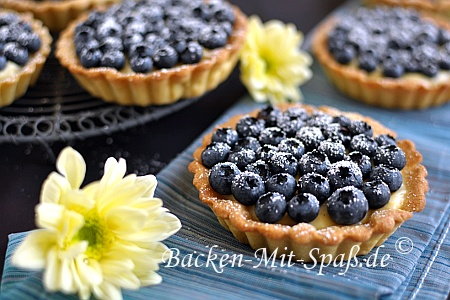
column 248, row 143
column 336, row 41
column 314, row 162
column 213, row 38
column 360, row 127
column 85, row 35
column 363, row 162
column 345, row 55
column 155, row 41
column 221, row 176
column 411, row 66
column 141, row 50
column 319, row 119
column 202, row 11
column 242, row 158
column 136, row 27
column 132, row 39
column 377, row 193
column 390, row 155
column 270, row 207
column 31, row 41
column 111, row 44
column 347, row 206
column 92, row 44
column 247, row 187
column 282, row 162
column 310, row 137
column 367, row 63
column 90, row 58
column 224, row 14
column 282, row 183
column 429, row 69
column 292, row 146
column 249, row 126
column 113, row 59
column 8, row 18
column 192, row 54
column 334, row 151
column 392, row 69
column 296, row 113
column 290, row 125
column 227, row 27
column 141, row 64
column 444, row 62
column 16, row 53
column 225, row 135
column 336, row 133
column 3, row 62
column 266, row 151
column 389, row 175
column 342, row 120
column 385, row 139
column 165, row 57
column 94, row 19
column 270, row 115
column 261, row 168
column 215, row 153
column 364, row 144
column 108, row 28
column 444, row 36
column 272, row 136
column 179, row 43
column 303, row 208
column 344, row 173
column 315, row 184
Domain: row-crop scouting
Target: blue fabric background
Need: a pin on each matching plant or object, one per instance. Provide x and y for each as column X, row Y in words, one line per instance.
column 421, row 274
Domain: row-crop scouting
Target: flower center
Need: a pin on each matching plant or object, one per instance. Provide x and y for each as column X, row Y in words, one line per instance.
column 96, row 234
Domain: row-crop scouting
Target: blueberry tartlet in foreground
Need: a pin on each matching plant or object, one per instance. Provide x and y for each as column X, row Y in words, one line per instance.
column 153, row 52
column 388, row 57
column 55, row 14
column 297, row 177
column 25, row 46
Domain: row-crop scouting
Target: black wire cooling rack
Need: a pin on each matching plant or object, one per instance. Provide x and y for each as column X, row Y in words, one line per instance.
column 58, row 109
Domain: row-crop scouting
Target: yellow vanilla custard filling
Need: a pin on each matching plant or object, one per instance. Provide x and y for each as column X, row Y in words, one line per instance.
column 442, row 76
column 324, row 220
column 127, row 67
column 10, row 70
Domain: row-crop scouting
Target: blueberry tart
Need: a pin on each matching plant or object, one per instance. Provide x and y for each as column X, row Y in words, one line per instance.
column 340, row 182
column 153, row 52
column 25, row 46
column 388, row 57
column 436, row 7
column 55, row 14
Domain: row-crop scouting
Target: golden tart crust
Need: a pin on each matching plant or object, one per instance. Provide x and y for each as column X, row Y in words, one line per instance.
column 158, row 87
column 438, row 8
column 56, row 15
column 17, row 84
column 304, row 237
column 398, row 93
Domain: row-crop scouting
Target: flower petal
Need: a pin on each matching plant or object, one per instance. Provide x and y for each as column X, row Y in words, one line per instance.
column 31, row 253
column 71, row 164
column 126, row 220
column 53, row 188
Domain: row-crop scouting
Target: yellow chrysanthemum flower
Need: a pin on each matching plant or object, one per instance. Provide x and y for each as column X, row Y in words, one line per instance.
column 100, row 238
column 272, row 64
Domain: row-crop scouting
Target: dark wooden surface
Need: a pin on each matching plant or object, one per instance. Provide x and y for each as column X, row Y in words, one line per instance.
column 147, row 148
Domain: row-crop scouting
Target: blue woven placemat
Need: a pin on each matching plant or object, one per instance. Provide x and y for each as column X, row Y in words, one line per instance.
column 422, row 273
